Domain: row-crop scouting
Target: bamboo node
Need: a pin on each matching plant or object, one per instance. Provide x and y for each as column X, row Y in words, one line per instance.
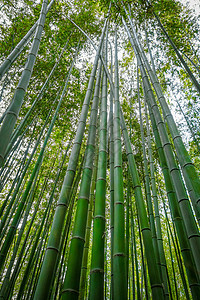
column 193, row 235
column 88, row 167
column 145, row 228
column 137, row 186
column 119, row 254
column 160, row 147
column 78, row 143
column 177, row 136
column 70, row 291
column 79, row 238
column 100, row 217
column 101, row 178
column 184, row 199
column 185, row 249
column 97, row 270
column 53, row 248
column 156, row 286
column 160, row 122
column 128, row 153
column 154, row 105
column 167, row 115
column 174, row 169
column 119, row 203
column 11, row 113
column 177, row 218
column 61, row 204
column 70, row 169
column 188, row 163
column 194, row 284
column 117, row 166
column 83, row 197
column 169, row 192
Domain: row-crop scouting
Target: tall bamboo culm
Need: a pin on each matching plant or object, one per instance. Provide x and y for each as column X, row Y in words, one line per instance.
column 72, row 279
column 97, row 260
column 13, row 110
column 119, row 259
column 49, row 263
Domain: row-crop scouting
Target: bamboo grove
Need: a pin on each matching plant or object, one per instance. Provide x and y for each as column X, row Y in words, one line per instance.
column 100, row 188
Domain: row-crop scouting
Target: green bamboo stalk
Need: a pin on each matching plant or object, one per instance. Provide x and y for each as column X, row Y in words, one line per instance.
column 38, row 260
column 13, row 227
column 183, row 62
column 84, row 268
column 188, row 168
column 188, row 217
column 23, row 123
column 10, row 235
column 17, row 177
column 111, row 148
column 176, row 246
column 119, row 256
column 15, row 106
column 156, row 285
column 105, row 267
column 72, row 280
column 97, row 260
column 13, row 201
column 5, row 285
column 190, row 128
column 191, row 61
column 156, row 209
column 45, row 217
column 49, row 263
column 144, row 273
column 191, row 226
column 135, row 257
column 172, row 262
column 133, row 271
column 26, row 252
column 18, row 49
column 147, row 185
column 155, row 79
column 12, row 159
column 66, row 231
column 127, row 228
column 176, row 213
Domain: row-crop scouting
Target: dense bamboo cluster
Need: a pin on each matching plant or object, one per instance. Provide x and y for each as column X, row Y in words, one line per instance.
column 86, row 219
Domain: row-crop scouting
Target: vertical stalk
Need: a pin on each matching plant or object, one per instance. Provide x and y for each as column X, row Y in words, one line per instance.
column 156, row 284
column 176, row 213
column 97, row 260
column 49, row 263
column 72, row 280
column 18, row 49
column 119, row 257
column 189, row 172
column 84, row 268
column 111, row 148
column 15, row 106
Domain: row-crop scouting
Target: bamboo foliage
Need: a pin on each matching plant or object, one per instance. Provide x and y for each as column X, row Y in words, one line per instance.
column 183, row 156
column 188, row 217
column 85, row 214
column 18, row 49
column 13, row 111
